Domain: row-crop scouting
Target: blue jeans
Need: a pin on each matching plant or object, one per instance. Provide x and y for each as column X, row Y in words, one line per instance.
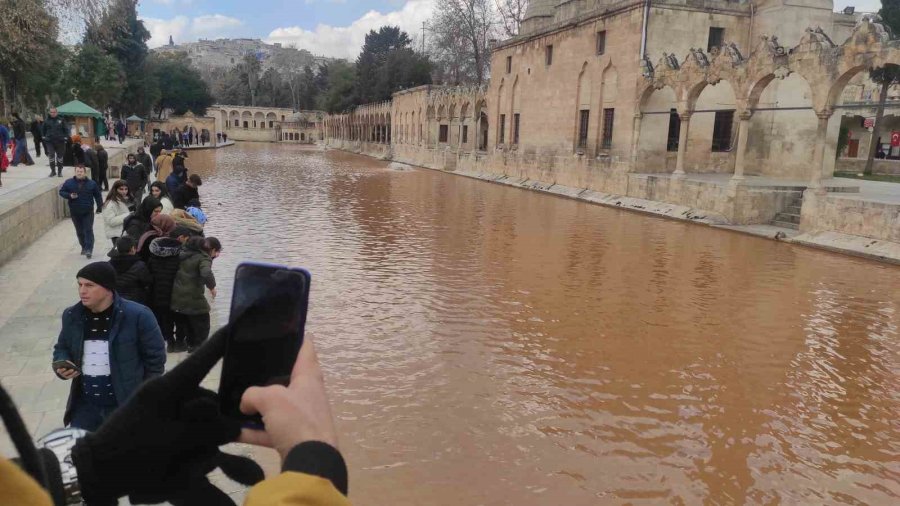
column 88, row 416
column 21, row 154
column 84, row 229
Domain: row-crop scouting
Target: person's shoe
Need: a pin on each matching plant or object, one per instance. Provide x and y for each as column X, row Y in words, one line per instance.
column 170, row 347
column 180, row 346
column 52, row 174
column 82, row 251
column 88, row 254
column 190, row 349
column 60, row 174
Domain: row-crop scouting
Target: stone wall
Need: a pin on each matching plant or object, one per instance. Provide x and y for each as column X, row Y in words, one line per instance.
column 856, row 165
column 877, row 220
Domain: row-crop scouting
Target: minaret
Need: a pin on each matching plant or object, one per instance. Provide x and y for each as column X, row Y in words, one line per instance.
column 171, row 42
column 537, row 14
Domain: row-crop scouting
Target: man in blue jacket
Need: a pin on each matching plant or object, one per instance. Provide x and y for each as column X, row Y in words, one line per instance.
column 111, row 345
column 81, row 193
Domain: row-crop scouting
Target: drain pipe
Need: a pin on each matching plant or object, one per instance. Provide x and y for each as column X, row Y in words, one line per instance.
column 644, row 22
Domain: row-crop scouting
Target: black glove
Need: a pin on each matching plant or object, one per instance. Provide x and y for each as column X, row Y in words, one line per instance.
column 161, row 444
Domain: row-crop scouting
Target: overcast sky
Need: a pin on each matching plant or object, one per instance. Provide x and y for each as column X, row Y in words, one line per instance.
column 325, row 27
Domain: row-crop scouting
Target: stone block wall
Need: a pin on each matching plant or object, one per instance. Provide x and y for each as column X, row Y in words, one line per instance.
column 866, row 218
column 27, row 214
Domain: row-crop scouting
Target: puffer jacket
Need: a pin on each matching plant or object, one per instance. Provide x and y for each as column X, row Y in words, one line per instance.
column 135, row 176
column 88, row 193
column 163, row 263
column 194, row 273
column 133, row 279
column 114, row 214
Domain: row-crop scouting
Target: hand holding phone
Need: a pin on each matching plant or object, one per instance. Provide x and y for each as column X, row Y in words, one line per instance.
column 65, row 369
column 268, row 313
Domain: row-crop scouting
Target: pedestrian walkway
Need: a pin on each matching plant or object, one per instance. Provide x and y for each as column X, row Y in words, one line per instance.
column 35, row 287
column 21, row 176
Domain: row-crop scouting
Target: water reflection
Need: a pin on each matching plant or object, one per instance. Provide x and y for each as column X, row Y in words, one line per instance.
column 487, row 345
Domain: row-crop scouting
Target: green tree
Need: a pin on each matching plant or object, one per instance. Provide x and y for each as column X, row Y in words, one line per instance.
column 27, row 32
column 97, row 76
column 388, row 63
column 884, row 76
column 273, row 91
column 339, row 95
column 181, row 88
column 121, row 34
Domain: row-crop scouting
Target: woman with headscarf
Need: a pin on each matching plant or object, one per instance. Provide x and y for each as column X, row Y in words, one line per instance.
column 139, row 222
column 160, row 226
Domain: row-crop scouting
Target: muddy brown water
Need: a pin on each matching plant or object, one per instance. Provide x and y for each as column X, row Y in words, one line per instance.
column 490, row 345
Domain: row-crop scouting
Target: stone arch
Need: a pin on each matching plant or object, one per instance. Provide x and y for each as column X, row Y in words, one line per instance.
column 501, row 100
column 482, row 124
column 609, row 90
column 234, row 119
column 259, row 120
column 271, row 118
column 583, row 90
column 656, row 152
column 783, row 128
column 246, row 119
column 711, row 104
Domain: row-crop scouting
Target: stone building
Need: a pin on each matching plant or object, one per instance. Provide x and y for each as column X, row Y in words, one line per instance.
column 267, row 124
column 726, row 107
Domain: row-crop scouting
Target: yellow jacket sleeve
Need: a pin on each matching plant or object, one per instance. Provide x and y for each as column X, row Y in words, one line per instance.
column 18, row 487
column 295, row 489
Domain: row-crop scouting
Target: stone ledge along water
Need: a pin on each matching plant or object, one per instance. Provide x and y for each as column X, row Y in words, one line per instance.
column 488, row 345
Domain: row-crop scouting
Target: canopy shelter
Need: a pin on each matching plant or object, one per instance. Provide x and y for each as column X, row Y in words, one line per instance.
column 135, row 125
column 87, row 121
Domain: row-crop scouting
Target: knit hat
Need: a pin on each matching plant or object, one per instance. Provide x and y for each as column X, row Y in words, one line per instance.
column 101, row 273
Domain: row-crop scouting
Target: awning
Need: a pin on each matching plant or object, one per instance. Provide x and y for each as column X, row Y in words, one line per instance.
column 78, row 108
column 134, row 117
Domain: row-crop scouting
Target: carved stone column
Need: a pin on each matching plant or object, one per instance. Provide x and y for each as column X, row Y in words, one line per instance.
column 682, row 143
column 743, row 132
column 635, row 139
column 819, row 152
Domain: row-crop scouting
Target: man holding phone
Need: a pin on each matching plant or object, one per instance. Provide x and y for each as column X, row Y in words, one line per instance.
column 108, row 346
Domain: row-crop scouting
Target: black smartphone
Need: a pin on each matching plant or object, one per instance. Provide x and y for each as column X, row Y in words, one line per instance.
column 66, row 364
column 268, row 310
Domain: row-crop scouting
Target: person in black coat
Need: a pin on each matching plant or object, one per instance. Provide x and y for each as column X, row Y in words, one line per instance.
column 187, row 192
column 133, row 279
column 135, row 175
column 138, row 223
column 164, row 261
column 37, row 132
column 144, row 159
column 102, row 166
column 92, row 163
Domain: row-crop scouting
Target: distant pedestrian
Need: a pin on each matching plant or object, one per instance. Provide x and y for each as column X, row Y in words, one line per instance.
column 114, row 345
column 161, row 193
column 144, row 159
column 218, row 137
column 55, row 134
column 120, row 131
column 133, row 279
column 77, row 151
column 19, row 129
column 188, row 300
column 163, row 262
column 92, row 163
column 187, row 192
column 115, row 210
column 102, row 166
column 224, row 137
column 136, row 175
column 81, row 193
column 163, row 165
column 37, row 134
column 4, row 142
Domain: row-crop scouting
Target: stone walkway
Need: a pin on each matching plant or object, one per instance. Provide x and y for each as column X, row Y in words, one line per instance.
column 35, row 287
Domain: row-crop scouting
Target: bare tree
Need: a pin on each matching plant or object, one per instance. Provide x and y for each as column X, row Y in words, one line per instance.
column 462, row 30
column 511, row 14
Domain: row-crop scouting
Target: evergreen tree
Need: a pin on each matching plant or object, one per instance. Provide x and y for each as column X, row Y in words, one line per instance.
column 180, row 86
column 121, row 34
column 97, row 76
column 386, row 62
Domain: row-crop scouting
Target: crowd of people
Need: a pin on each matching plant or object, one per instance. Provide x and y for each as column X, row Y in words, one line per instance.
column 158, row 247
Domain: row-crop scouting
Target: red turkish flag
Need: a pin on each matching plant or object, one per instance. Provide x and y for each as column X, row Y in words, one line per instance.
column 895, row 139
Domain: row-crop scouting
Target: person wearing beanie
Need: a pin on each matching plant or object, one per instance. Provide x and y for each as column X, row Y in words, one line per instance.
column 107, row 347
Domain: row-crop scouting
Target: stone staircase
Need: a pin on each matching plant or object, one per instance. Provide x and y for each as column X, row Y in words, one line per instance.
column 790, row 216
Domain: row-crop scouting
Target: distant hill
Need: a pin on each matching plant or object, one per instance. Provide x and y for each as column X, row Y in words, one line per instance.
column 223, row 54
